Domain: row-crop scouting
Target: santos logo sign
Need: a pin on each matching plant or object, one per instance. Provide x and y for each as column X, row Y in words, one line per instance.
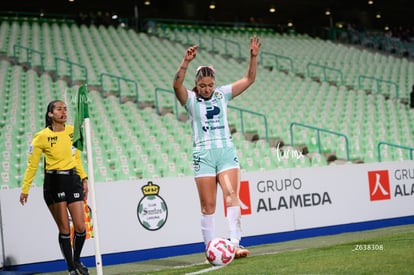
column 380, row 188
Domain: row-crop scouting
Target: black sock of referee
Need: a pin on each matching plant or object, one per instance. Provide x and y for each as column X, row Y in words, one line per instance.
column 78, row 241
column 66, row 248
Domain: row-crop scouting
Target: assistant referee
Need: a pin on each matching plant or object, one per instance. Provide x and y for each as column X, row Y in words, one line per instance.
column 65, row 183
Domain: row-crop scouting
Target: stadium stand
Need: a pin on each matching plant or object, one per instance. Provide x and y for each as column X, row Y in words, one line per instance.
column 334, row 117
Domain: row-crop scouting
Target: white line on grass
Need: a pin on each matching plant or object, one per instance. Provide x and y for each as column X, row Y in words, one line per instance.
column 205, row 270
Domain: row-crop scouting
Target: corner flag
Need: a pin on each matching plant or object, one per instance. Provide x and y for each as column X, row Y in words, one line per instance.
column 79, row 135
column 81, row 114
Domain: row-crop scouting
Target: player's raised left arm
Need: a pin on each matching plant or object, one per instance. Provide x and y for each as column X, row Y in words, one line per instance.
column 242, row 84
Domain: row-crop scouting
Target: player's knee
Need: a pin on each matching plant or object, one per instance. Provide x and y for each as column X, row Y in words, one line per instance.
column 208, row 209
column 80, row 227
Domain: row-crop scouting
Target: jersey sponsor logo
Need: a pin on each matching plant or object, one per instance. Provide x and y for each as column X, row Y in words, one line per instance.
column 212, row 111
column 379, row 185
column 206, row 128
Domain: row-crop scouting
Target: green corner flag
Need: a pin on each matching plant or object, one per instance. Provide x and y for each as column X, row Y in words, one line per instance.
column 82, row 112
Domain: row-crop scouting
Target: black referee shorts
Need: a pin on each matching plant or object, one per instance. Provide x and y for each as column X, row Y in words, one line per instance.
column 59, row 188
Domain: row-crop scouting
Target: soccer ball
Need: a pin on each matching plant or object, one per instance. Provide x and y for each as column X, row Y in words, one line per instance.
column 220, row 251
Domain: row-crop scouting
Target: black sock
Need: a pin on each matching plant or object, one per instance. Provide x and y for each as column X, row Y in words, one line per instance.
column 66, row 248
column 78, row 241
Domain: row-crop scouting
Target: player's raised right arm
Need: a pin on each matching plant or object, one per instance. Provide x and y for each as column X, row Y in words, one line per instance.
column 178, row 83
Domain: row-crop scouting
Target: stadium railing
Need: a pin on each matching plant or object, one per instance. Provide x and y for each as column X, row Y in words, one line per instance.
column 318, row 133
column 384, row 143
column 30, row 55
column 70, row 65
column 242, row 111
column 325, row 70
column 379, row 83
column 121, row 91
column 277, row 58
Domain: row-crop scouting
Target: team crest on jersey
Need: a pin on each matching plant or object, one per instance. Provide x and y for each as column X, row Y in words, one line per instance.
column 218, row 95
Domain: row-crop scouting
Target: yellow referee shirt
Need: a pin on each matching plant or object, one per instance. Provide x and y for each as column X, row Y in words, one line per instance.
column 59, row 154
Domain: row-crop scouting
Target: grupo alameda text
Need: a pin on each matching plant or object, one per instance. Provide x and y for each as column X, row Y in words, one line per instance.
column 274, row 203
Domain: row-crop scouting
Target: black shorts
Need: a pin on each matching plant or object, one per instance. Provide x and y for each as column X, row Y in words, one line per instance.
column 59, row 188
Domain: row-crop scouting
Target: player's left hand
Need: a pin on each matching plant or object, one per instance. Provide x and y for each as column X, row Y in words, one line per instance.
column 255, row 44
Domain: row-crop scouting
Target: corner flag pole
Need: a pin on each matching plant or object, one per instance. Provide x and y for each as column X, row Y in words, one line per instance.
column 82, row 117
column 91, row 181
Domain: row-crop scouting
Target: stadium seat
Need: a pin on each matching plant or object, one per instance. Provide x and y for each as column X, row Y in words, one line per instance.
column 136, row 142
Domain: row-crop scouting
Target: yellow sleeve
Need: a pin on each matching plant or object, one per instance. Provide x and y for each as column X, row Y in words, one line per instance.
column 35, row 153
column 79, row 166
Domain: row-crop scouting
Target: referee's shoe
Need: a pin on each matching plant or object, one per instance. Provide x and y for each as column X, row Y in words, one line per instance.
column 83, row 270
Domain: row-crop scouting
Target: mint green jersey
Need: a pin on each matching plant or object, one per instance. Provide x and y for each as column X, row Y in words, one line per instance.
column 208, row 119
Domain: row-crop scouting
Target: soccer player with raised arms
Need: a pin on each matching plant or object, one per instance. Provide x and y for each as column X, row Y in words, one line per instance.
column 214, row 156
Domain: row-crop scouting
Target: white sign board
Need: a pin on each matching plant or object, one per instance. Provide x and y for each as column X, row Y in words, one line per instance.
column 135, row 215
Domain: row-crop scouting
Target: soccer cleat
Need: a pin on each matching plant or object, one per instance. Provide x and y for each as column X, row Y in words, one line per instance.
column 73, row 272
column 83, row 270
column 241, row 252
